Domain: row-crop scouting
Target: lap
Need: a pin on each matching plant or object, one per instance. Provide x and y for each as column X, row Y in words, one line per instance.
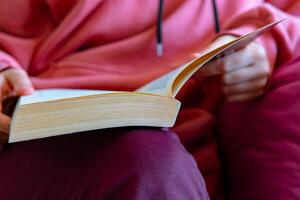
column 90, row 163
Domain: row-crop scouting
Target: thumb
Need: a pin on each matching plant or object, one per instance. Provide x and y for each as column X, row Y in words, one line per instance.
column 212, row 68
column 19, row 81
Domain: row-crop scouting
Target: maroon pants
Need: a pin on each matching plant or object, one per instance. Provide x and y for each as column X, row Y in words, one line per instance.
column 260, row 141
column 108, row 164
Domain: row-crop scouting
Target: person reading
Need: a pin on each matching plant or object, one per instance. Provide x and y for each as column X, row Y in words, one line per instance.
column 111, row 45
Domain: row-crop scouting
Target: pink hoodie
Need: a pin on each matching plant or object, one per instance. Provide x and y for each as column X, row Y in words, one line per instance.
column 103, row 44
column 110, row 44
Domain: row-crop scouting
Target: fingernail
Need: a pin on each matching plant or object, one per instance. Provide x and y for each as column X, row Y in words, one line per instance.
column 25, row 90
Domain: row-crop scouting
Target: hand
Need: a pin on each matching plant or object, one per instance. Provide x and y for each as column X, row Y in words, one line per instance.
column 245, row 73
column 13, row 82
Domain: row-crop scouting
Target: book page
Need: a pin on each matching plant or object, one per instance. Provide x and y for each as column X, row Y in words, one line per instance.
column 172, row 82
column 55, row 94
column 220, row 52
column 162, row 85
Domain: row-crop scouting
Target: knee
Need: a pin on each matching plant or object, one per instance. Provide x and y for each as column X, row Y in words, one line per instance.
column 155, row 162
column 149, row 150
column 158, row 156
column 160, row 162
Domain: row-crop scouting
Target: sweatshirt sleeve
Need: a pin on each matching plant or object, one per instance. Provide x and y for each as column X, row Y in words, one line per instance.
column 7, row 61
column 281, row 42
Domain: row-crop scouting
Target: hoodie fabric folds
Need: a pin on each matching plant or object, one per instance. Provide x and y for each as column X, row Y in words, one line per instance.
column 110, row 45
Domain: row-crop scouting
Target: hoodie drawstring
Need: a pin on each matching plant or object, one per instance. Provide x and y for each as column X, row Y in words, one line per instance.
column 159, row 44
column 159, row 23
column 216, row 16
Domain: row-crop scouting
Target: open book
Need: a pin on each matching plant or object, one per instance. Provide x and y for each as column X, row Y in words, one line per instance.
column 63, row 111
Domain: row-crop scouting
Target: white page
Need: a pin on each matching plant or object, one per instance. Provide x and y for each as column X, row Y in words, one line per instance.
column 162, row 85
column 55, row 94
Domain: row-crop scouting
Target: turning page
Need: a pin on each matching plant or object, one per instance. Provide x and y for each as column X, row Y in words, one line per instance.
column 171, row 83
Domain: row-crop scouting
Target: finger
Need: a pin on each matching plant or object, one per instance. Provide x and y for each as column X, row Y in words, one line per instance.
column 218, row 42
column 237, row 60
column 244, row 97
column 229, row 63
column 212, row 68
column 256, row 71
column 245, row 87
column 20, row 82
column 3, row 136
column 5, row 89
column 4, row 123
